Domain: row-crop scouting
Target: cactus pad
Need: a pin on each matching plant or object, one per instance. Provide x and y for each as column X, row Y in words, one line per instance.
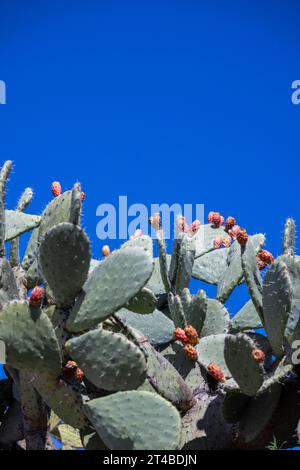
column 111, row 285
column 145, row 424
column 109, row 360
column 248, row 374
column 29, row 338
column 65, row 259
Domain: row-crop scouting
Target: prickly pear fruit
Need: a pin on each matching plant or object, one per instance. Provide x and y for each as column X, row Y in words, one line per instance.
column 210, row 217
column 36, row 296
column 217, row 219
column 137, row 234
column 72, row 371
column 242, row 236
column 195, row 226
column 56, row 188
column 216, row 372
column 258, row 355
column 217, row 242
column 230, row 223
column 234, row 231
column 105, row 250
column 82, row 195
column 180, row 335
column 155, row 221
column 192, row 335
column 265, row 256
column 191, row 352
column 227, row 241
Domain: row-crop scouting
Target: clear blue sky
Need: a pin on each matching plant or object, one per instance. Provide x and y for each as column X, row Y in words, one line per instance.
column 179, row 101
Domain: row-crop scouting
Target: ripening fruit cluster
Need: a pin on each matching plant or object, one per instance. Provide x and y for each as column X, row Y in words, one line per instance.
column 189, row 337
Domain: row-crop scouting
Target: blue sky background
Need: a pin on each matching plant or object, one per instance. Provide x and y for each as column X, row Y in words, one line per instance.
column 179, row 101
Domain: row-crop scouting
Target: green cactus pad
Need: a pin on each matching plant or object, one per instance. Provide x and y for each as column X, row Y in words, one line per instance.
column 8, row 287
column 155, row 283
column 233, row 406
column 109, row 360
column 216, row 319
column 76, row 205
column 144, row 302
column 31, row 250
column 65, row 400
column 64, row 260
column 156, row 326
column 211, row 266
column 196, row 312
column 56, row 212
column 211, row 349
column 163, row 260
column 17, row 223
column 257, row 414
column 289, row 236
column 233, row 274
column 292, row 330
column 279, row 374
column 165, row 379
column 205, row 236
column 144, row 242
column 190, row 371
column 248, row 374
column 246, row 318
column 277, row 297
column 186, row 258
column 145, row 425
column 29, row 338
column 112, row 284
column 176, row 310
column 252, row 276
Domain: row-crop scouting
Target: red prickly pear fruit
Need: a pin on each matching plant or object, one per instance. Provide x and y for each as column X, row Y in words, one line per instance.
column 155, row 221
column 265, row 256
column 242, row 237
column 210, row 217
column 217, row 219
column 195, row 226
column 191, row 334
column 216, row 372
column 234, row 231
column 56, row 188
column 258, row 355
column 227, row 241
column 137, row 234
column 230, row 223
column 79, row 375
column 36, row 296
column 82, row 195
column 217, row 242
column 180, row 335
column 72, row 371
column 70, row 365
column 190, row 352
column 105, row 250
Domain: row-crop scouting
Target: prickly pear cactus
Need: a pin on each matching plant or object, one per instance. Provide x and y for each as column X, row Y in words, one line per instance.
column 96, row 348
